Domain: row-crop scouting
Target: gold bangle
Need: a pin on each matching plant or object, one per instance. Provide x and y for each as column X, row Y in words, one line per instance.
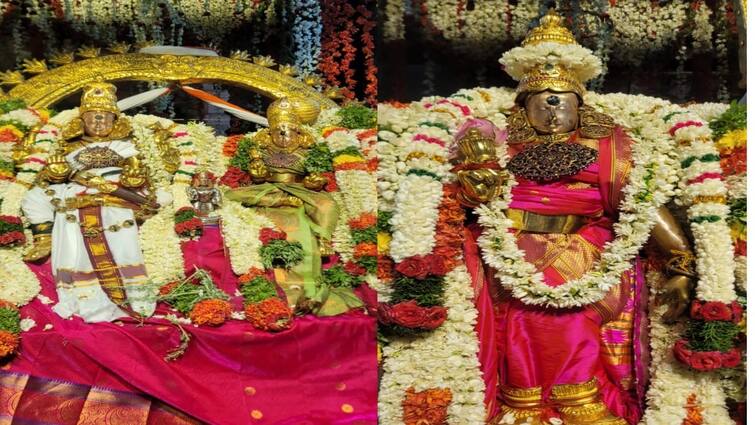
column 681, row 263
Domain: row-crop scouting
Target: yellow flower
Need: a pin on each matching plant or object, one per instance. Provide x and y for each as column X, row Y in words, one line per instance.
column 383, row 242
column 738, row 232
column 346, row 158
column 732, row 140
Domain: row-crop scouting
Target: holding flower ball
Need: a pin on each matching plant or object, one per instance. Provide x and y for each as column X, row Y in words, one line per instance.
column 212, row 312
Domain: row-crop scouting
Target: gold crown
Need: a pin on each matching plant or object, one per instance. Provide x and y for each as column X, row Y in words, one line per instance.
column 549, row 76
column 292, row 110
column 551, row 29
column 99, row 97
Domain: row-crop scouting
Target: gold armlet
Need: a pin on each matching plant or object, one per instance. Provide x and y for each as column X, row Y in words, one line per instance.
column 681, row 263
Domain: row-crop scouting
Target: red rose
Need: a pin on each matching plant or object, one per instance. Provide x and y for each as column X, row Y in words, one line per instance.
column 435, row 265
column 736, row 312
column 705, row 360
column 10, row 219
column 731, row 358
column 384, row 267
column 694, row 311
column 413, row 266
column 715, row 310
column 682, row 351
column 267, row 234
column 385, row 313
column 11, row 238
column 235, row 177
column 184, row 209
column 354, row 269
column 408, row 314
column 435, row 317
column 332, row 185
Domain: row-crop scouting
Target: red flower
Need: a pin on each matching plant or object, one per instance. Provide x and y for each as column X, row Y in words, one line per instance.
column 731, row 358
column 12, row 238
column 252, row 273
column 235, row 177
column 384, row 267
column 715, row 310
column 168, row 288
column 419, row 267
column 354, row 269
column 705, row 360
column 267, row 234
column 184, row 209
column 413, row 267
column 682, row 351
column 10, row 219
column 364, row 221
column 8, row 343
column 736, row 312
column 190, row 228
column 411, row 315
column 332, row 185
column 695, row 310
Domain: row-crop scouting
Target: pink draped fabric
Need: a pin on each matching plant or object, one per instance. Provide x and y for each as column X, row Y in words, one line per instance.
column 538, row 347
column 321, row 371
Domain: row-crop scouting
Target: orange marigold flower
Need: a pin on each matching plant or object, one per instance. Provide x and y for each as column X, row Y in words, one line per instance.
column 364, row 221
column 8, row 305
column 168, row 287
column 367, row 133
column 212, row 312
column 361, row 166
column 330, row 130
column 372, row 164
column 365, row 249
column 397, row 104
column 251, row 274
column 429, row 407
column 8, row 343
column 694, row 411
column 272, row 314
column 231, row 144
column 384, row 267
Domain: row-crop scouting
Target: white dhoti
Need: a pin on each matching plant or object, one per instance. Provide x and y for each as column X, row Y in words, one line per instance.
column 89, row 262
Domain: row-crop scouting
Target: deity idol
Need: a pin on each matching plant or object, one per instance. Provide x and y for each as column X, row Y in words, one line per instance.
column 295, row 201
column 570, row 163
column 84, row 212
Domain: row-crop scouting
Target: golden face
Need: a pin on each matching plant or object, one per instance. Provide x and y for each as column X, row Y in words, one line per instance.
column 98, row 123
column 287, row 136
column 552, row 113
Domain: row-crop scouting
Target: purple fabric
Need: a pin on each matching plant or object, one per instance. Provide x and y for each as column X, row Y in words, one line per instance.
column 321, row 371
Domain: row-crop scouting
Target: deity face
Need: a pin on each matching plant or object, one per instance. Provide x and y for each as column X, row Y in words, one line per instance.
column 287, row 136
column 552, row 113
column 98, row 123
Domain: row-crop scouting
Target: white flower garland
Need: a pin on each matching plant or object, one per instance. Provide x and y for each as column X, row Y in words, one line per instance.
column 161, row 247
column 241, row 227
column 19, row 284
column 393, row 23
column 415, row 217
column 670, row 382
column 446, row 358
column 578, row 59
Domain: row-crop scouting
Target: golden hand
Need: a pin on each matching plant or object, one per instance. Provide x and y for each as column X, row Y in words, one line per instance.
column 57, row 168
column 258, row 170
column 676, row 296
column 480, row 186
column 314, row 181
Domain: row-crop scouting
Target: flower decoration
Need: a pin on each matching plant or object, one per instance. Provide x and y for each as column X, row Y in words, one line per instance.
column 410, row 315
column 211, row 312
column 10, row 328
column 11, row 231
column 429, row 407
column 276, row 251
column 272, row 315
column 188, row 224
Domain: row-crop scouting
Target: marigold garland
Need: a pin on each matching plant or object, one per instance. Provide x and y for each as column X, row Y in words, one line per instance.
column 212, row 312
column 272, row 314
column 9, row 343
column 429, row 407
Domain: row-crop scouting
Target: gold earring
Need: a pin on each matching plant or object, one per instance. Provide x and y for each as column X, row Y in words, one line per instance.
column 519, row 129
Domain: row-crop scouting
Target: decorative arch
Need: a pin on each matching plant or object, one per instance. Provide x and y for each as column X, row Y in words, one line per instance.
column 51, row 86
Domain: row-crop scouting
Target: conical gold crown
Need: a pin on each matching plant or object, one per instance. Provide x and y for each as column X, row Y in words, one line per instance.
column 551, row 29
column 99, row 97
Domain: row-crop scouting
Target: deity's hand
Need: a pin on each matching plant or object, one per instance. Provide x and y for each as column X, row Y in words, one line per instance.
column 41, row 248
column 314, row 182
column 479, row 186
column 133, row 175
column 258, row 170
column 676, row 296
column 57, row 168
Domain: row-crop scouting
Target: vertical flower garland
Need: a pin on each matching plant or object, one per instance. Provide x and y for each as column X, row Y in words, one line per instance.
column 306, row 28
column 367, row 22
column 338, row 51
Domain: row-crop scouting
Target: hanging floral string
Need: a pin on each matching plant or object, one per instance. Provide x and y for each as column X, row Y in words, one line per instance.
column 367, row 23
column 306, row 29
column 338, row 51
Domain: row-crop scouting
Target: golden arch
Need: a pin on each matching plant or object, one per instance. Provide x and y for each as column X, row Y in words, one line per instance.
column 48, row 88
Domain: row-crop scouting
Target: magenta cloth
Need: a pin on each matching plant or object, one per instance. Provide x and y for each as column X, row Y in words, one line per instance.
column 321, row 371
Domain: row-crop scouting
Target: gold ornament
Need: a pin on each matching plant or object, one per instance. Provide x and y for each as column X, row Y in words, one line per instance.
column 99, row 97
column 550, row 30
column 593, row 124
column 56, row 84
column 292, row 110
column 549, row 76
column 119, row 48
column 240, row 55
column 265, row 61
column 34, row 66
column 288, row 70
column 62, row 58
column 519, row 129
column 474, row 147
column 88, row 52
